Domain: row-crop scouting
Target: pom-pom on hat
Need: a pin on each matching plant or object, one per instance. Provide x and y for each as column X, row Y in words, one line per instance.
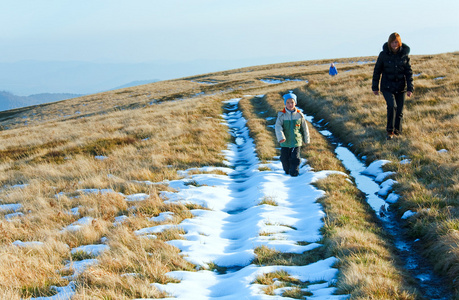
column 290, row 95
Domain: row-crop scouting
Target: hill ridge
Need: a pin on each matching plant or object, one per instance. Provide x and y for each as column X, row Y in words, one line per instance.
column 135, row 140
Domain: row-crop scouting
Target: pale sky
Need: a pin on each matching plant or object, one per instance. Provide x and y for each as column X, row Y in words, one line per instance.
column 186, row 30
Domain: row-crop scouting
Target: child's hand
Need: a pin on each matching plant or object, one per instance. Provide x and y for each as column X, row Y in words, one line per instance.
column 281, row 141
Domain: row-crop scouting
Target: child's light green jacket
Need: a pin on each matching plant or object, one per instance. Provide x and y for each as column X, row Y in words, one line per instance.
column 291, row 126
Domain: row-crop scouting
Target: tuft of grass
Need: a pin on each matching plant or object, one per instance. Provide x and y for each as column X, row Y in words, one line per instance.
column 270, row 278
column 81, row 255
column 296, row 293
column 268, row 200
column 281, row 279
column 44, row 290
column 171, row 234
column 266, row 256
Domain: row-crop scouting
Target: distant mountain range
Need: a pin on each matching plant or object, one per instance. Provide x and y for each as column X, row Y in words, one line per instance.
column 10, row 101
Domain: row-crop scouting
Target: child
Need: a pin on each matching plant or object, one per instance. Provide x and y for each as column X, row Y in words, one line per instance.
column 291, row 132
column 332, row 71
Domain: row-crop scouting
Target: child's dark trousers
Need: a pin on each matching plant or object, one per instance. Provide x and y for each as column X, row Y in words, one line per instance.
column 290, row 159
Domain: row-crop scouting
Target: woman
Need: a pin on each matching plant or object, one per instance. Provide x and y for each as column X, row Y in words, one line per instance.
column 396, row 82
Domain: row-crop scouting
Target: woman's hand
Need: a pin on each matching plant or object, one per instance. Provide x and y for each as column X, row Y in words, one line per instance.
column 409, row 94
column 281, row 141
column 376, row 93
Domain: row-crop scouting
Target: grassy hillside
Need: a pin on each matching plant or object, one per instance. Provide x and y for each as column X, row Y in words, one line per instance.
column 121, row 139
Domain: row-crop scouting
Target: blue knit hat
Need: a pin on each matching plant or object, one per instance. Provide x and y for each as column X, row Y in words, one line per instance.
column 290, row 95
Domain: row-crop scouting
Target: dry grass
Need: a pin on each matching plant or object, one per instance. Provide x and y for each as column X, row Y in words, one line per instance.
column 149, row 132
column 368, row 261
column 254, row 109
column 130, row 268
column 147, row 144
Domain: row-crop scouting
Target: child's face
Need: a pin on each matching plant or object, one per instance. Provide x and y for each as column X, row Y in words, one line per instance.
column 290, row 104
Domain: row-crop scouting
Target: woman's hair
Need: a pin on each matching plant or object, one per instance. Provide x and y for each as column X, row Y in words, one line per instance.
column 395, row 36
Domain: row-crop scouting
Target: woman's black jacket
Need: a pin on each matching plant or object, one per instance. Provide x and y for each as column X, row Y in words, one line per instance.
column 395, row 68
